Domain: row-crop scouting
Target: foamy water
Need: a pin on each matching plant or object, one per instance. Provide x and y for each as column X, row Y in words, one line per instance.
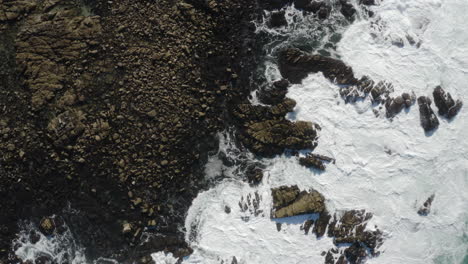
column 386, row 167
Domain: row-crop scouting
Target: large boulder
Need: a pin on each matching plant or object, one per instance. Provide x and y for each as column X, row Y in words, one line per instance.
column 295, row 65
column 445, row 103
column 289, row 201
column 429, row 120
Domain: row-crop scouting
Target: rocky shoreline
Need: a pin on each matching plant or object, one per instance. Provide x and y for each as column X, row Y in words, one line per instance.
column 111, row 108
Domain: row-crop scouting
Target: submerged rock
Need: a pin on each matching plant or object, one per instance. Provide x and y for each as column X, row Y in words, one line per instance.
column 429, row 120
column 295, row 65
column 445, row 103
column 425, row 209
column 278, row 19
column 289, row 201
column 347, row 9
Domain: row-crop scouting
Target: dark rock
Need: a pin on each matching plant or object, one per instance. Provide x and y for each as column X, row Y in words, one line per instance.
column 445, row 103
column 356, row 253
column 429, row 120
column 324, row 12
column 307, row 225
column 347, row 9
column 227, row 209
column 273, row 4
column 329, row 259
column 278, row 19
column 394, row 106
column 315, row 161
column 288, row 201
column 321, row 223
column 295, row 65
column 308, row 5
column 425, row 209
column 278, row 227
column 254, row 174
column 367, row 2
column 274, row 94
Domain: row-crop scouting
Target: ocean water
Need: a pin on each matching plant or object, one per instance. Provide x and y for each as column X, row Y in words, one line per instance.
column 387, row 167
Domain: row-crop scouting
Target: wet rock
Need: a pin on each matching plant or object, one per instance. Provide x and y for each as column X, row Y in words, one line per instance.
column 429, row 120
column 347, row 9
column 274, row 94
column 47, row 226
column 278, row 19
column 367, row 2
column 394, row 106
column 425, row 209
column 66, row 127
column 445, row 103
column 315, row 161
column 329, row 259
column 309, row 5
column 295, row 65
column 356, row 253
column 272, row 137
column 273, row 4
column 321, row 223
column 307, row 225
column 289, row 201
column 254, row 174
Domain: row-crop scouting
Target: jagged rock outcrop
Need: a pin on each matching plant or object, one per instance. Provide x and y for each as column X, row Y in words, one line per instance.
column 425, row 209
column 295, row 65
column 290, row 201
column 347, row 9
column 274, row 94
column 315, row 161
column 265, row 131
column 47, row 48
column 429, row 120
column 448, row 107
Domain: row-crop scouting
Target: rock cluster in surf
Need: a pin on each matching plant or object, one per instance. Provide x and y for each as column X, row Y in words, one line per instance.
column 348, row 229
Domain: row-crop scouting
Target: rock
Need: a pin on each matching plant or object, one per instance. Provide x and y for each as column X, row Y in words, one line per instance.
column 347, row 9
column 307, row 225
column 289, row 201
column 273, row 4
column 278, row 19
column 274, row 94
column 356, row 253
column 445, row 103
column 254, row 174
column 429, row 120
column 295, row 65
column 66, row 127
column 271, row 137
column 315, row 161
column 321, row 223
column 309, row 5
column 47, row 226
column 394, row 106
column 126, row 228
column 367, row 2
column 425, row 209
column 329, row 258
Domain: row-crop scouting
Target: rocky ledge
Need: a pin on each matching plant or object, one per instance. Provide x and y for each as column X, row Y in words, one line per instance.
column 354, row 242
